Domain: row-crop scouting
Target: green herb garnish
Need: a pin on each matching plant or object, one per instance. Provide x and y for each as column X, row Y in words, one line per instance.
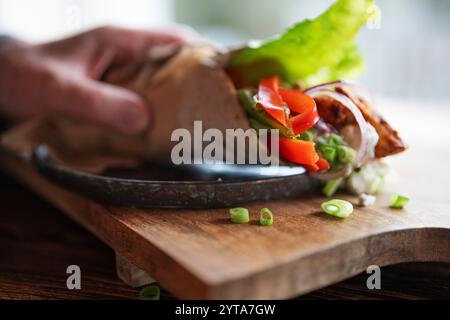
column 265, row 217
column 331, row 187
column 150, row 293
column 338, row 208
column 327, row 151
column 239, row 216
column 399, row 201
column 346, row 155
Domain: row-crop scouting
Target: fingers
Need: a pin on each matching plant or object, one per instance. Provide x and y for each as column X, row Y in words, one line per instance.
column 129, row 44
column 77, row 62
column 106, row 105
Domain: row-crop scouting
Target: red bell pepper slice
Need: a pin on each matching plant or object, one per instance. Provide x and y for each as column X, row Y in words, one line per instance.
column 304, row 106
column 297, row 101
column 272, row 83
column 313, row 168
column 270, row 100
column 320, row 166
column 298, row 151
column 323, row 165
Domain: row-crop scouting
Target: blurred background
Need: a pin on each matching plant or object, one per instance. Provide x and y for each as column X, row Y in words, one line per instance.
column 407, row 52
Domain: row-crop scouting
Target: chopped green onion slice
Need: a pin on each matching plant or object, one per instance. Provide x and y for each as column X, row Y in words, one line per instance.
column 307, row 136
column 150, row 293
column 327, row 151
column 239, row 215
column 338, row 208
column 345, row 154
column 399, row 201
column 335, row 140
column 265, row 217
column 331, row 187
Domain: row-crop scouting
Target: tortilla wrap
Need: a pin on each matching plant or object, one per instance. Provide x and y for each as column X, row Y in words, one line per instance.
column 181, row 85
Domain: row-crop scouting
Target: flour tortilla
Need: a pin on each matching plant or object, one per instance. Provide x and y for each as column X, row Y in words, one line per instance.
column 191, row 86
column 181, row 85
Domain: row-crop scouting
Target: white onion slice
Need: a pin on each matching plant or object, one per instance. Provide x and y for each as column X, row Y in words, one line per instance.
column 362, row 125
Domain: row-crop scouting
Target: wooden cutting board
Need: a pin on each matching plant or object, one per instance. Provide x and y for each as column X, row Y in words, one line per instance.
column 198, row 254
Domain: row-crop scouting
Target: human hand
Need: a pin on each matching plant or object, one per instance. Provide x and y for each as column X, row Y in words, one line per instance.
column 62, row 77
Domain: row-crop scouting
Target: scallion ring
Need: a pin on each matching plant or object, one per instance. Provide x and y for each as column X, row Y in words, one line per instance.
column 336, row 140
column 239, row 215
column 150, row 293
column 345, row 154
column 327, row 151
column 399, row 201
column 338, row 208
column 307, row 136
column 265, row 217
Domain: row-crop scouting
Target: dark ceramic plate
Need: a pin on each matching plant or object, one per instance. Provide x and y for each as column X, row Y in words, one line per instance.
column 193, row 186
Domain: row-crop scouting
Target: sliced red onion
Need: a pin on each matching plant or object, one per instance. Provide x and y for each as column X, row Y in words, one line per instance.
column 328, row 85
column 324, row 127
column 360, row 90
column 362, row 125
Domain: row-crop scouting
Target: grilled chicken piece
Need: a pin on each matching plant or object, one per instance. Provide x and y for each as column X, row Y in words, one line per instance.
column 334, row 113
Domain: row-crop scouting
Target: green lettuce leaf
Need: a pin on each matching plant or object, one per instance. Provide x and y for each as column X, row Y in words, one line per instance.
column 313, row 51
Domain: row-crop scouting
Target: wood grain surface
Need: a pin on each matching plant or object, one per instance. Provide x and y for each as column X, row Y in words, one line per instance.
column 199, row 254
column 37, row 243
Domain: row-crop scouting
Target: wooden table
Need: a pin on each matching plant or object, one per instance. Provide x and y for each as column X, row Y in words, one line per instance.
column 37, row 243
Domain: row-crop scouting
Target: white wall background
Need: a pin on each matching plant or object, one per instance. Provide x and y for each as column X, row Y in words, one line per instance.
column 408, row 57
column 41, row 20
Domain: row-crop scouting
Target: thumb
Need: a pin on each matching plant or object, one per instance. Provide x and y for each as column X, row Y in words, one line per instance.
column 107, row 105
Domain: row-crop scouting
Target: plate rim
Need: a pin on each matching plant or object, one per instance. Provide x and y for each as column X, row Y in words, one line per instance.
column 42, row 159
